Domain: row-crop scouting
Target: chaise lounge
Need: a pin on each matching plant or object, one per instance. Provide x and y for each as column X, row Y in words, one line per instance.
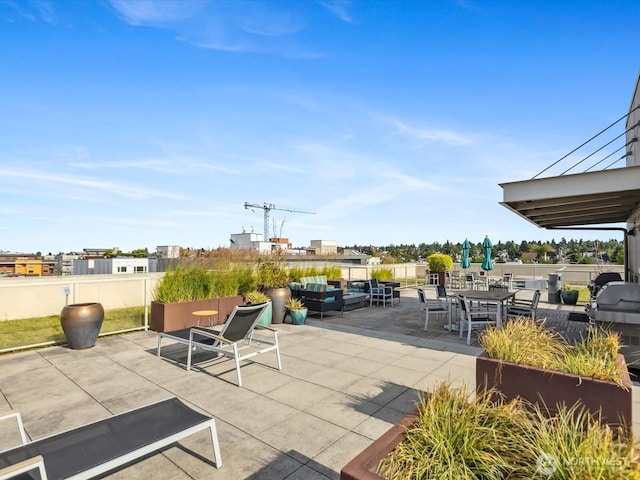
column 235, row 339
column 102, row 446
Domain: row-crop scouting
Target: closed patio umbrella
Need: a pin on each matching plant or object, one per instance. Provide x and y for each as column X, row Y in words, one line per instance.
column 487, row 264
column 466, row 246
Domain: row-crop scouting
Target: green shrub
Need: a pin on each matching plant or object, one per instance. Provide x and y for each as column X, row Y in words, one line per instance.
column 294, row 304
column 329, row 271
column 439, row 262
column 196, row 281
column 246, row 280
column 271, row 272
column 382, row 274
column 184, row 283
column 255, row 297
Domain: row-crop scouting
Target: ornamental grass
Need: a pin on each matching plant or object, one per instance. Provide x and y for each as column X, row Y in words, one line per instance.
column 459, row 436
column 525, row 342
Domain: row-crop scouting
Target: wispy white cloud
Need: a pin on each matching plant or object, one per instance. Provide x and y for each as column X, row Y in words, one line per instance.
column 339, row 9
column 116, row 188
column 34, row 10
column 271, row 24
column 170, row 166
column 282, row 167
column 257, row 27
column 45, row 11
column 428, row 135
column 153, row 12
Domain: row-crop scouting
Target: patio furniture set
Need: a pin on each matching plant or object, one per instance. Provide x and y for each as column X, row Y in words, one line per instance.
column 469, row 309
column 320, row 295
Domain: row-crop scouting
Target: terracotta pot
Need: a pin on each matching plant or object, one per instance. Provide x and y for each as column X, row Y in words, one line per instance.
column 81, row 323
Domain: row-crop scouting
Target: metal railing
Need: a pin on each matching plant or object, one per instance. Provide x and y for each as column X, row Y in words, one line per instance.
column 22, row 298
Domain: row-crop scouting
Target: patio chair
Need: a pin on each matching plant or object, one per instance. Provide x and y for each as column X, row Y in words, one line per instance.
column 507, row 280
column 233, row 340
column 472, row 316
column 97, row 448
column 524, row 308
column 436, row 307
column 380, row 293
column 469, row 281
column 455, row 280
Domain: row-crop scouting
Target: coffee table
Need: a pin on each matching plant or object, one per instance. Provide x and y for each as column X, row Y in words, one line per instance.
column 353, row 300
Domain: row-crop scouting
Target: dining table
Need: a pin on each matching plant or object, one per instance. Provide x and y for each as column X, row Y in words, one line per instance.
column 496, row 297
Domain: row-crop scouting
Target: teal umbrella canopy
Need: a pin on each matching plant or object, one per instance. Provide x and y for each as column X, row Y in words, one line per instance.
column 466, row 247
column 487, row 264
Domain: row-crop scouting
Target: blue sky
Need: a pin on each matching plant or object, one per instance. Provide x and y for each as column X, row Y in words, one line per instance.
column 142, row 123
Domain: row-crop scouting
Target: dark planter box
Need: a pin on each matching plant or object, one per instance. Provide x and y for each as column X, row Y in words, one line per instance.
column 365, row 464
column 166, row 317
column 549, row 388
column 569, row 297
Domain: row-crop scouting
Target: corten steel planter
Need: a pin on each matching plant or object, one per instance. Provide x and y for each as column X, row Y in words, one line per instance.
column 279, row 297
column 81, row 323
column 167, row 317
column 608, row 400
column 365, row 464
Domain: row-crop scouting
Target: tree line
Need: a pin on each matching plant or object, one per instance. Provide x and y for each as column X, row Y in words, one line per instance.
column 535, row 251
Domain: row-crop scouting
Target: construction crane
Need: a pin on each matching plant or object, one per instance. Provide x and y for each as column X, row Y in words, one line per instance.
column 267, row 207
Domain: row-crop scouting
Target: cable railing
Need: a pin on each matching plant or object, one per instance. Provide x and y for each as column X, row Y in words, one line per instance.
column 626, row 146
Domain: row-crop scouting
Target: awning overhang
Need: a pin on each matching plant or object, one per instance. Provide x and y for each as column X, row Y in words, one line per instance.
column 591, row 198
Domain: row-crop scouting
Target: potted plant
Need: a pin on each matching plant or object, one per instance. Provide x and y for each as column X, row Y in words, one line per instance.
column 527, row 360
column 272, row 279
column 297, row 311
column 453, row 434
column 194, row 286
column 254, row 298
column 569, row 294
column 440, row 263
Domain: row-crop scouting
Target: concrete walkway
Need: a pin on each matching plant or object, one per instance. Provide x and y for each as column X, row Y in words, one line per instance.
column 345, row 380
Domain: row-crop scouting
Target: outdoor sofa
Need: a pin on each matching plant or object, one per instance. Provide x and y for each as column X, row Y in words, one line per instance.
column 318, row 294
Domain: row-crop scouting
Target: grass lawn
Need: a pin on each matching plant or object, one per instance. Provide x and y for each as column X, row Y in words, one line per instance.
column 29, row 331
column 583, row 296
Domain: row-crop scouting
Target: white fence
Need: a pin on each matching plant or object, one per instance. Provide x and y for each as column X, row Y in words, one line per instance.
column 43, row 296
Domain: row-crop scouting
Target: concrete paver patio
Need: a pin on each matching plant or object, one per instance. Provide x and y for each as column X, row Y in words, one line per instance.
column 345, row 380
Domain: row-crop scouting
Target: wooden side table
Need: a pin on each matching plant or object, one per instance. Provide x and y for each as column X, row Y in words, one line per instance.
column 205, row 313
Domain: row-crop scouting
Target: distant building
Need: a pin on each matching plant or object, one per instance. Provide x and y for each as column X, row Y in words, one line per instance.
column 168, row 251
column 64, row 263
column 100, row 252
column 250, row 241
column 324, row 247
column 25, row 265
column 117, row 265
